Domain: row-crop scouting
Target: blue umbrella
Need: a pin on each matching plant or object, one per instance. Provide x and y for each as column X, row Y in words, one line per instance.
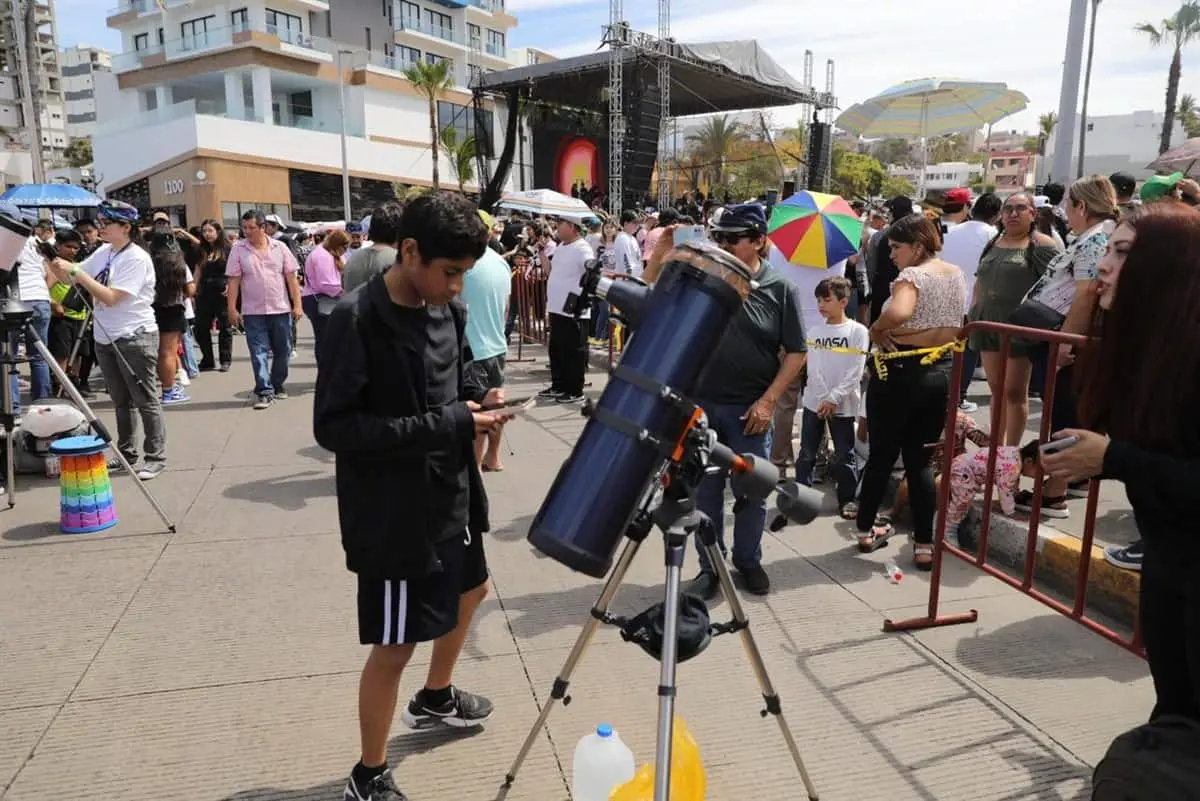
column 51, row 196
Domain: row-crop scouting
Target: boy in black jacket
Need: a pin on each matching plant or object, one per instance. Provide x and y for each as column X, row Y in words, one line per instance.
column 395, row 407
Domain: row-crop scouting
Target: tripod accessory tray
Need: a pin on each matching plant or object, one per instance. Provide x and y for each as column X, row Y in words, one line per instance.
column 86, row 498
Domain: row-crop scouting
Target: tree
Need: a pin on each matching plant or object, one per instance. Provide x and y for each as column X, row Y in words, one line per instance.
column 461, row 156
column 1046, row 125
column 948, row 147
column 431, row 80
column 79, row 152
column 1189, row 115
column 1087, row 85
column 1177, row 30
column 1032, row 144
column 856, row 175
column 893, row 186
column 712, row 143
column 893, row 151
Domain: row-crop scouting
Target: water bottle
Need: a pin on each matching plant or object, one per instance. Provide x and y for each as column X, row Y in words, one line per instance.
column 894, row 573
column 602, row 764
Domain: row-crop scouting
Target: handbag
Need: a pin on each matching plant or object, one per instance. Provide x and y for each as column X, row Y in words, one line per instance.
column 1035, row 314
column 325, row 304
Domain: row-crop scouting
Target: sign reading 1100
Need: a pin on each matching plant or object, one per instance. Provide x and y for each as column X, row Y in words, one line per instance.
column 173, row 186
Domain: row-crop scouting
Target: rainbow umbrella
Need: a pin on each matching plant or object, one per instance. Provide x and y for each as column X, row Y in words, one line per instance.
column 815, row 229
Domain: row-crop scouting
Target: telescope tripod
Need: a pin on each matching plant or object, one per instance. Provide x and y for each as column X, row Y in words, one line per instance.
column 8, row 365
column 678, row 518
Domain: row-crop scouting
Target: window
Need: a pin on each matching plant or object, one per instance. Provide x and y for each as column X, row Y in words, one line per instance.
column 473, row 36
column 410, row 14
column 368, row 30
column 495, row 43
column 462, row 119
column 240, row 20
column 407, row 56
column 195, row 33
column 302, row 104
column 440, row 25
column 474, row 73
column 141, row 42
column 231, row 213
column 434, row 58
column 287, row 27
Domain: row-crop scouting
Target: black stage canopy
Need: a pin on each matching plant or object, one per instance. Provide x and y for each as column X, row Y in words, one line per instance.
column 705, row 78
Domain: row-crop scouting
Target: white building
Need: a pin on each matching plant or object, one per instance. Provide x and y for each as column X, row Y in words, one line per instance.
column 939, row 177
column 215, row 107
column 79, row 67
column 1118, row 142
column 38, row 42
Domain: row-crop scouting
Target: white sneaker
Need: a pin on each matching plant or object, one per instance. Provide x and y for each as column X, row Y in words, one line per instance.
column 182, row 379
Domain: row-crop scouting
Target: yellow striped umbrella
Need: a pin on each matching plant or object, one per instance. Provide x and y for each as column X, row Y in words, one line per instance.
column 931, row 107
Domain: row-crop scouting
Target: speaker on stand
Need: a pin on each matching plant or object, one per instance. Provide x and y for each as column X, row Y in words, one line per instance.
column 820, row 143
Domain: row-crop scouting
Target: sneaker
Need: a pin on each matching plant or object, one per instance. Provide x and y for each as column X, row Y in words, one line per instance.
column 968, row 406
column 756, row 580
column 114, row 465
column 549, row 393
column 174, row 395
column 381, row 788
column 704, row 586
column 151, row 470
column 1127, row 558
column 281, row 394
column 464, row 710
column 1051, row 507
column 225, row 367
column 264, row 402
column 1079, row 490
column 568, row 398
column 181, row 378
column 207, row 367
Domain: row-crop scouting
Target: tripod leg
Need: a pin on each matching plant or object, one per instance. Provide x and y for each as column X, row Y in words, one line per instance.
column 770, row 697
column 98, row 426
column 10, row 428
column 676, row 543
column 75, row 345
column 562, row 682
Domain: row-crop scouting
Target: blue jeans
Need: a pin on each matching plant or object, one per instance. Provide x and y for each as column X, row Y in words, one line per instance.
column 269, row 338
column 751, row 519
column 841, row 430
column 190, row 365
column 39, row 373
column 600, row 323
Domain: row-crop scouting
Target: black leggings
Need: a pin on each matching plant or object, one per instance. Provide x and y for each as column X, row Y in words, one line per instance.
column 210, row 306
column 568, row 353
column 906, row 413
column 1169, row 610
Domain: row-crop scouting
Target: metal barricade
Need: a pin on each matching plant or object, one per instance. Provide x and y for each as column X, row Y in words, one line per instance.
column 528, row 302
column 1024, row 584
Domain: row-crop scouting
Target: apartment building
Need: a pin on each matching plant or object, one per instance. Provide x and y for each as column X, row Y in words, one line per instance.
column 217, row 106
column 79, row 67
column 1012, row 171
column 34, row 38
column 1126, row 142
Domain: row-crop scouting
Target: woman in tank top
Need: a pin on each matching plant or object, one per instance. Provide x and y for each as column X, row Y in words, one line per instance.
column 907, row 409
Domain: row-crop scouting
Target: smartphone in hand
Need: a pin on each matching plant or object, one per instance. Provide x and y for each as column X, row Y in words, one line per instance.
column 684, row 234
column 1056, row 445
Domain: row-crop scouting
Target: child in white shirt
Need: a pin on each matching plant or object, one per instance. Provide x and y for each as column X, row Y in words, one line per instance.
column 836, row 355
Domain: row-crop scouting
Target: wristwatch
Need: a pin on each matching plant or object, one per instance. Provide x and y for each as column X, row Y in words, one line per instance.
column 74, row 271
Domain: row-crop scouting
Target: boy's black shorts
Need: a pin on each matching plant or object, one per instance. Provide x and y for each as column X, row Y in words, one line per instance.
column 397, row 612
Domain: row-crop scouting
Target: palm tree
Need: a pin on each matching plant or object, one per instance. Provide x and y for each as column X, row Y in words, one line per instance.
column 1189, row 115
column 1178, row 29
column 461, row 156
column 713, row 142
column 1087, row 86
column 431, row 80
column 1046, row 125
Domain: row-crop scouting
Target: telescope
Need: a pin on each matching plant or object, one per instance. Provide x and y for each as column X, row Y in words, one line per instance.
column 647, row 442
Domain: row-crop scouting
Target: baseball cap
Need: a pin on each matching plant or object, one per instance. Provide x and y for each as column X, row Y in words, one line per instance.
column 161, row 216
column 117, row 211
column 273, row 218
column 1158, row 186
column 351, row 228
column 899, row 206
column 1123, row 182
column 959, row 195
column 741, row 217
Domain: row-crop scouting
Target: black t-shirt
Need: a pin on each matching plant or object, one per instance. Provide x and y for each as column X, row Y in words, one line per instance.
column 440, row 357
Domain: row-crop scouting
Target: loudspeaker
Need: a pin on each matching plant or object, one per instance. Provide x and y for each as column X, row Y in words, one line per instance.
column 789, row 189
column 819, row 142
column 642, row 107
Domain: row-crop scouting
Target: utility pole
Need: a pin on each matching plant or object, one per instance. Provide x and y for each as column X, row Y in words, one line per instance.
column 29, row 65
column 1064, row 136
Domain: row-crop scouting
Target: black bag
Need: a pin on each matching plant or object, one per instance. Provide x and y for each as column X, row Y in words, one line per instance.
column 1159, row 761
column 1035, row 314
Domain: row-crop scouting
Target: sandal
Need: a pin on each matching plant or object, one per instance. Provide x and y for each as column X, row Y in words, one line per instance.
column 878, row 536
column 489, row 469
column 849, row 511
column 923, row 555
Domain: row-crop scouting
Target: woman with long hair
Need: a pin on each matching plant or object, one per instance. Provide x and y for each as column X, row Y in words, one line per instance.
column 120, row 278
column 1138, row 397
column 907, row 407
column 210, row 297
column 171, row 290
column 323, row 283
column 1008, row 268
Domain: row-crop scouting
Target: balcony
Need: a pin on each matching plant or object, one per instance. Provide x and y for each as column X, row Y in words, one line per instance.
column 491, row 48
column 443, row 32
column 492, row 6
column 394, row 63
column 316, row 48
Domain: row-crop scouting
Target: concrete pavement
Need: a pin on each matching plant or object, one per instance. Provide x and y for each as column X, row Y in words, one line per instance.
column 220, row 663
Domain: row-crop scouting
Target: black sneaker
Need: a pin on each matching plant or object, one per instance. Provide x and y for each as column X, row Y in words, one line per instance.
column 568, row 398
column 756, row 580
column 549, row 393
column 1127, row 558
column 1051, row 507
column 381, row 788
column 464, row 710
column 704, row 586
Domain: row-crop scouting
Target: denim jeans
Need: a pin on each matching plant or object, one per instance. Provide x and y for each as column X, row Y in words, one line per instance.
column 600, row 321
column 188, row 360
column 750, row 520
column 39, row 373
column 312, row 310
column 269, row 339
column 131, row 376
column 841, row 431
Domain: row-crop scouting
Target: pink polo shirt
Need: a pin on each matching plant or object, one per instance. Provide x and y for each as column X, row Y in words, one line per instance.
column 264, row 288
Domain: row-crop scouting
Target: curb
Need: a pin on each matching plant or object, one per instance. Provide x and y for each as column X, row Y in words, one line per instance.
column 1111, row 590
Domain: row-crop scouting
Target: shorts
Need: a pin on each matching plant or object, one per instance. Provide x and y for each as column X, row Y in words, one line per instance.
column 62, row 335
column 171, row 319
column 398, row 612
column 488, row 372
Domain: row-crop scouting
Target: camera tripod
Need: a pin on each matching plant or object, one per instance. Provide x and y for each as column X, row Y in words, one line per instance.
column 678, row 518
column 15, row 317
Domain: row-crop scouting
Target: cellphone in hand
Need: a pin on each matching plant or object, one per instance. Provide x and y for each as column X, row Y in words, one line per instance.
column 688, row 233
column 1056, row 445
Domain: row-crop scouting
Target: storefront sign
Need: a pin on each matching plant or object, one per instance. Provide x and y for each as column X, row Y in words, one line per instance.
column 173, row 186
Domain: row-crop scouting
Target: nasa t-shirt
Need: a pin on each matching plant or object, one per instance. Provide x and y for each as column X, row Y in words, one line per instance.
column 835, row 376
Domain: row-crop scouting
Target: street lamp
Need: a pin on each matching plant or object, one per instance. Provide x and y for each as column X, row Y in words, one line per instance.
column 342, row 111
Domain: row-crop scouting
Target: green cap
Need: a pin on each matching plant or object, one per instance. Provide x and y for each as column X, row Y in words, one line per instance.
column 1157, row 186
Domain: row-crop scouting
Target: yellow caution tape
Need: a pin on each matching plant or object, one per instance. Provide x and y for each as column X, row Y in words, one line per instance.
column 880, row 358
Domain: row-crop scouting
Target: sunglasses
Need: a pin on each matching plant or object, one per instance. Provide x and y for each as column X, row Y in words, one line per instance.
column 731, row 237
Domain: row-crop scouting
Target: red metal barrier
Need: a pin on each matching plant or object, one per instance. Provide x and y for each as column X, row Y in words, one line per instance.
column 529, row 300
column 1075, row 611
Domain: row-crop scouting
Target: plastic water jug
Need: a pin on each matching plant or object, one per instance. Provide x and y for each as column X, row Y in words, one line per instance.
column 602, row 763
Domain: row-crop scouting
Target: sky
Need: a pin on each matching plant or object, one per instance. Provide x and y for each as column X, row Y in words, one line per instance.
column 874, row 43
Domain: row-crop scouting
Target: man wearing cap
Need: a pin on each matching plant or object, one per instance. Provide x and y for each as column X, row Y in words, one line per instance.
column 1125, row 186
column 742, row 385
column 355, row 230
column 568, row 332
column 956, row 208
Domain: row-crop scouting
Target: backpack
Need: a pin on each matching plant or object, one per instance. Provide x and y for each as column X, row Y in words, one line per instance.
column 1159, row 761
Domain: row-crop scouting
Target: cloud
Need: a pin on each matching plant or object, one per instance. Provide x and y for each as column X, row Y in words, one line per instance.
column 877, row 44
